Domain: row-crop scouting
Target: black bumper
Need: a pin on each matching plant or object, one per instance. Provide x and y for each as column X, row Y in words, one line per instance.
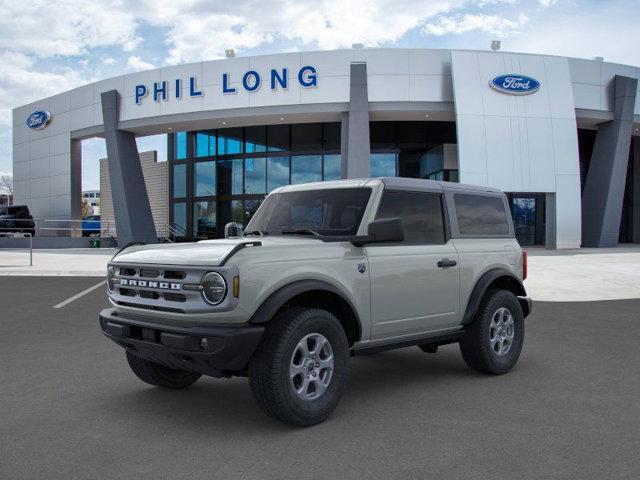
column 215, row 350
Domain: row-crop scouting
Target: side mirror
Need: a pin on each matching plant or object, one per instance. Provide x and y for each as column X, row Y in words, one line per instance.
column 386, row 230
column 232, row 230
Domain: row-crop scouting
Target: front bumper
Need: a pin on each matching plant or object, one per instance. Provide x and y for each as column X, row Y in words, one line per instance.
column 215, row 350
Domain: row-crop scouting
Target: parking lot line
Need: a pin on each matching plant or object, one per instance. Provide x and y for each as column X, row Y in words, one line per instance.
column 78, row 295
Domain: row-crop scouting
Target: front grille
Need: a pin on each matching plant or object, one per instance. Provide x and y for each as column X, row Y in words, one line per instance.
column 155, row 287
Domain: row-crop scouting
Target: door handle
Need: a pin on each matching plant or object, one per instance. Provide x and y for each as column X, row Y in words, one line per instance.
column 445, row 263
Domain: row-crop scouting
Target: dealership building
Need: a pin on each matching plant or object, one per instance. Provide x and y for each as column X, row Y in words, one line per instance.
column 559, row 135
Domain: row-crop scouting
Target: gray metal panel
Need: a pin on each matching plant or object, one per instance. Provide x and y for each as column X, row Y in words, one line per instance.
column 134, row 222
column 358, row 145
column 604, row 188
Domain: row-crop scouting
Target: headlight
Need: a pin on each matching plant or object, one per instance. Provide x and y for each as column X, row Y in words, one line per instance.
column 111, row 273
column 214, row 288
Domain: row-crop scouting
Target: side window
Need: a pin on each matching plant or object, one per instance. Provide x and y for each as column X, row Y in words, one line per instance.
column 481, row 215
column 421, row 214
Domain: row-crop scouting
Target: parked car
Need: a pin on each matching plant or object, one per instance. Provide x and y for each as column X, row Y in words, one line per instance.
column 17, row 219
column 323, row 272
column 91, row 225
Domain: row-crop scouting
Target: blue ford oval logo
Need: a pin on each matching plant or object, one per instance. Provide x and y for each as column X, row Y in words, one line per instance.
column 38, row 119
column 515, row 84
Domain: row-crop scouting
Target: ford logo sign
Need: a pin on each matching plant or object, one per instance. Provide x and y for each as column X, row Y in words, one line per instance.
column 515, row 84
column 38, row 119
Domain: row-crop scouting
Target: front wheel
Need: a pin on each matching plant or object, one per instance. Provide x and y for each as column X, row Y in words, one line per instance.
column 299, row 370
column 493, row 340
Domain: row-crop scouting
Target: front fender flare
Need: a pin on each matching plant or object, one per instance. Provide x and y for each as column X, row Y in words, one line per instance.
column 277, row 299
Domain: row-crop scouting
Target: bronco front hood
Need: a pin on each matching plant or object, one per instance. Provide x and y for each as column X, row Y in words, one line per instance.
column 207, row 252
column 198, row 253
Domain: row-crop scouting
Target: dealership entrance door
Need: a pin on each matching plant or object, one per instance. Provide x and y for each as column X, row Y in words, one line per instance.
column 528, row 212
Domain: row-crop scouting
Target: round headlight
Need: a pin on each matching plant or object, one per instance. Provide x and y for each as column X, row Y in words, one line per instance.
column 111, row 273
column 214, row 288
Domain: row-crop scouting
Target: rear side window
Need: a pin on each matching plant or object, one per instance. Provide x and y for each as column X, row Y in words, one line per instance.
column 481, row 215
column 421, row 214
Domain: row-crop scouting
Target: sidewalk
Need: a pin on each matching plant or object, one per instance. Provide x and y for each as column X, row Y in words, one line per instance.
column 90, row 262
column 554, row 275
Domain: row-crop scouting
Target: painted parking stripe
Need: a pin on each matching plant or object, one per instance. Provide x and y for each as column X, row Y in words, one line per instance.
column 78, row 295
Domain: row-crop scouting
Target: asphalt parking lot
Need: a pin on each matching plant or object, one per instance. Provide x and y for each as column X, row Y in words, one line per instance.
column 71, row 409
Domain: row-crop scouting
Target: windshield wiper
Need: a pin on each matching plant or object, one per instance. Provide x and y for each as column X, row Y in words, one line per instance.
column 255, row 232
column 301, row 231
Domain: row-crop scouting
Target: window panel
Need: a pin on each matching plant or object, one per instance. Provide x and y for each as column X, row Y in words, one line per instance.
column 180, row 216
column 306, row 168
column 383, row 135
column 204, row 182
column 383, row 164
column 204, row 219
column 230, row 177
column 255, row 181
column 230, row 141
column 421, row 214
column 205, row 144
column 332, row 166
column 481, row 215
column 250, row 208
column 278, row 137
column 180, row 180
column 255, row 139
column 306, row 137
column 277, row 172
column 180, row 146
column 332, row 135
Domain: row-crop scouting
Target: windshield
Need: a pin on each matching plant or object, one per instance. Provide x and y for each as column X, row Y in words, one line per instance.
column 328, row 212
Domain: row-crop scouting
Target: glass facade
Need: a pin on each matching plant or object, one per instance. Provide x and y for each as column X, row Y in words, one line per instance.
column 221, row 176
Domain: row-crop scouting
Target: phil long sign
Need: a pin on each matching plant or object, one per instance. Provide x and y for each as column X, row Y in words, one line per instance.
column 515, row 84
column 250, row 81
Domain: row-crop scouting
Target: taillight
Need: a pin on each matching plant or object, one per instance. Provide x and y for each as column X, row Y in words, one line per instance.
column 524, row 264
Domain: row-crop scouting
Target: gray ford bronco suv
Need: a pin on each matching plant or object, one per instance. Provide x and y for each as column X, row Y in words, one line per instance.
column 323, row 272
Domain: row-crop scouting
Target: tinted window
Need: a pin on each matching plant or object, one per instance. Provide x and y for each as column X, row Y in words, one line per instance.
column 336, row 211
column 180, row 146
column 480, row 215
column 306, row 136
column 204, row 181
column 277, row 172
column 421, row 214
column 306, row 168
column 255, row 175
column 180, row 180
column 332, row 165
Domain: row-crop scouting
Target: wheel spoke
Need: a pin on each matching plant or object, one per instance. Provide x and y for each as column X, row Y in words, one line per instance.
column 296, row 370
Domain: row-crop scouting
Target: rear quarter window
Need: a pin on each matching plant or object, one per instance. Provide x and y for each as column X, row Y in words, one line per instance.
column 481, row 215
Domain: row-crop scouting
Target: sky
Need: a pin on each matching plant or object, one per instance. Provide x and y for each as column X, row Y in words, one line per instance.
column 48, row 47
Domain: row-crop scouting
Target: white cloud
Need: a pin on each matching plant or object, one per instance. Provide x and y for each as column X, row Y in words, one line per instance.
column 491, row 24
column 21, row 83
column 547, row 3
column 108, row 61
column 325, row 24
column 46, row 28
column 136, row 63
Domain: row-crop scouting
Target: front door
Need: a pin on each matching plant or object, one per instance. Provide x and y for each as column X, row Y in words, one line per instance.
column 414, row 284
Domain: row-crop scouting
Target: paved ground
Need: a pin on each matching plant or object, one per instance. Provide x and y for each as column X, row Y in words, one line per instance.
column 62, row 262
column 71, row 409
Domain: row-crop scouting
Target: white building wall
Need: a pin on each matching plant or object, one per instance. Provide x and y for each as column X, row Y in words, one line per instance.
column 525, row 143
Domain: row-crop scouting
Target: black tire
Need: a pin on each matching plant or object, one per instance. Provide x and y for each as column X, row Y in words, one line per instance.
column 269, row 375
column 475, row 345
column 159, row 375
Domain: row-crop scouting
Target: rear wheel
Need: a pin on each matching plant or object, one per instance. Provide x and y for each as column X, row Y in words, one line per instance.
column 493, row 340
column 299, row 370
column 159, row 375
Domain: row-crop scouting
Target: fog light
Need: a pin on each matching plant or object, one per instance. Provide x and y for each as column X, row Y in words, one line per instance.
column 214, row 288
